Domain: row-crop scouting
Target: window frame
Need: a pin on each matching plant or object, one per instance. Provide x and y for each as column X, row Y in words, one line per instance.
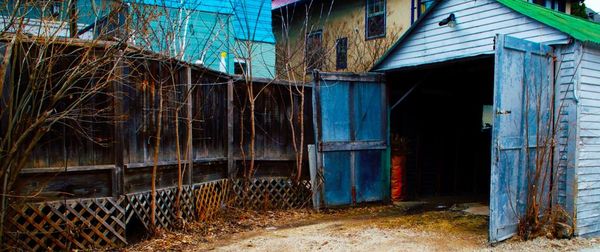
column 310, row 66
column 56, row 9
column 384, row 13
column 51, row 9
column 423, row 6
column 557, row 5
column 242, row 64
column 560, row 6
column 338, row 43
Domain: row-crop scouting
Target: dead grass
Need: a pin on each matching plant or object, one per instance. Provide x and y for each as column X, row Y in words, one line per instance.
column 441, row 221
column 228, row 222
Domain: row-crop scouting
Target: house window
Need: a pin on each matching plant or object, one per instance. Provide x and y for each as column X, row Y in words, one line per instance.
column 558, row 5
column 55, row 7
column 48, row 8
column 375, row 19
column 341, row 53
column 240, row 67
column 314, row 51
column 423, row 5
column 540, row 2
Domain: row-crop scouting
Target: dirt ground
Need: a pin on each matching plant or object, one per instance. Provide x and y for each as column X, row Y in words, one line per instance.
column 401, row 227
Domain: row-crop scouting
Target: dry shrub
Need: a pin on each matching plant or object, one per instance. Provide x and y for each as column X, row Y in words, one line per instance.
column 554, row 223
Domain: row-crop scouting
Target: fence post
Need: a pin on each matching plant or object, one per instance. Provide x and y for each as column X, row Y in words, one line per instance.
column 118, row 83
column 190, row 149
column 231, row 172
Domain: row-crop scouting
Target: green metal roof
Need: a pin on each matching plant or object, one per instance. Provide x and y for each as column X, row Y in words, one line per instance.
column 578, row 28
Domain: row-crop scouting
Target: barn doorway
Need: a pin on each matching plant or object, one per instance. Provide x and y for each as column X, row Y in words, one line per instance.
column 443, row 125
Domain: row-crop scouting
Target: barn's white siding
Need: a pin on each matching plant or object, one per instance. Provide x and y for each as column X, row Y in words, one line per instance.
column 478, row 21
column 588, row 144
column 577, row 88
column 567, row 61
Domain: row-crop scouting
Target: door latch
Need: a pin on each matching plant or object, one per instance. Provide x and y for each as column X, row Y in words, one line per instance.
column 503, row 112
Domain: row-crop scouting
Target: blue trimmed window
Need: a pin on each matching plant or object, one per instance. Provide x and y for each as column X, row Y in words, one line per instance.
column 424, row 5
column 375, row 19
column 558, row 5
column 341, row 53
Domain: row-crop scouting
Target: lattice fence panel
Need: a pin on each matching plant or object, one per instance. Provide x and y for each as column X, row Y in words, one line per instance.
column 188, row 200
column 212, row 196
column 66, row 225
column 166, row 212
column 100, row 223
column 272, row 193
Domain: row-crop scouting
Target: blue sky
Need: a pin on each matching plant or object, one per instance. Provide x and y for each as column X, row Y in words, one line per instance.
column 593, row 4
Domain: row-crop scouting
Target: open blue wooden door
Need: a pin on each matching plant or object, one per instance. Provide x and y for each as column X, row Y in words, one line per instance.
column 523, row 90
column 351, row 127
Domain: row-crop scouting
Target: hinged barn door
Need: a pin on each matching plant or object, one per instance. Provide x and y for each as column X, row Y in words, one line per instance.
column 350, row 114
column 522, row 129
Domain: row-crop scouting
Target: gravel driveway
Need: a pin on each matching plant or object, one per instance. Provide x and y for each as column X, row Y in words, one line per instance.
column 377, row 228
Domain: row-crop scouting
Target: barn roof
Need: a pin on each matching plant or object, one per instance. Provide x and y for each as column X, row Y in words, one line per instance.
column 578, row 28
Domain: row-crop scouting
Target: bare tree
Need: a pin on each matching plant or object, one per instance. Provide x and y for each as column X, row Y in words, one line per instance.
column 52, row 81
column 60, row 75
column 544, row 216
column 247, row 49
column 165, row 28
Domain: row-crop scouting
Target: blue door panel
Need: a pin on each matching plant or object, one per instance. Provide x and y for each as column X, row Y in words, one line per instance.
column 369, row 177
column 335, row 112
column 337, row 178
column 368, row 109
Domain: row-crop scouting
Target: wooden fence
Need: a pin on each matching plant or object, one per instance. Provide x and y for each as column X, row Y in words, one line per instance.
column 78, row 194
column 64, row 166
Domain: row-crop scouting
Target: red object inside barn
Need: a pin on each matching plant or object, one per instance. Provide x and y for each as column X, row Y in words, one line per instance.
column 398, row 172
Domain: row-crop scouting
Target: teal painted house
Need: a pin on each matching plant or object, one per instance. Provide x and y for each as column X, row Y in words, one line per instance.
column 231, row 36
column 51, row 18
column 255, row 42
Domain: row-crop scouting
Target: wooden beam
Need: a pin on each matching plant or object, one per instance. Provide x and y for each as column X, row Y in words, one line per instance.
column 268, row 81
column 316, row 106
column 174, row 162
column 387, row 169
column 118, row 180
column 269, row 159
column 352, row 146
column 231, row 172
column 69, row 169
column 210, row 160
column 190, row 149
column 375, row 78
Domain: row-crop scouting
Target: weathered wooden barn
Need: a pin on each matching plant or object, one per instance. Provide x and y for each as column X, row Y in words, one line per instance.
column 489, row 87
column 498, row 101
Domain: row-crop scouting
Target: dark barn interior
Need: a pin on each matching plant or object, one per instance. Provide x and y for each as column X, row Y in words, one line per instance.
column 445, row 122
